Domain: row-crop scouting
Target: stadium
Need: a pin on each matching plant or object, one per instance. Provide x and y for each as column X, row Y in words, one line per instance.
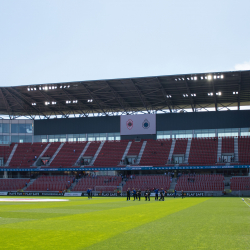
column 186, row 134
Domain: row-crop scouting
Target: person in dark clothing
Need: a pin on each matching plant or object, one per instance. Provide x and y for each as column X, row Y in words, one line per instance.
column 156, row 194
column 134, row 193
column 175, row 193
column 128, row 194
column 148, row 195
column 162, row 194
column 182, row 194
column 88, row 192
column 139, row 194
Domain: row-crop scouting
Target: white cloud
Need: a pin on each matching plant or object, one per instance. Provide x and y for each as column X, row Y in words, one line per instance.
column 242, row 66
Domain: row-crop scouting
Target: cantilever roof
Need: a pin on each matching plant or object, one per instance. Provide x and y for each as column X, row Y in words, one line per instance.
column 129, row 95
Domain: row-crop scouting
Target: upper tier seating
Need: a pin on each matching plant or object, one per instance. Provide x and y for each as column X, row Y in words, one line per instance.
column 156, row 152
column 25, row 154
column 227, row 145
column 145, row 182
column 240, row 183
column 68, row 155
column 180, row 146
column 5, row 152
column 203, row 151
column 135, row 148
column 12, row 184
column 91, row 150
column 52, row 149
column 244, row 149
column 111, row 153
column 98, row 183
column 200, row 182
column 53, row 183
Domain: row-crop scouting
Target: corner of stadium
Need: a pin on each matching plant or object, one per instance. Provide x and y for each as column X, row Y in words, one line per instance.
column 187, row 132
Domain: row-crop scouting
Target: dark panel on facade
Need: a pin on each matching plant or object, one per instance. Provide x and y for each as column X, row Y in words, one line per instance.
column 203, row 120
column 105, row 124
column 164, row 122
column 132, row 137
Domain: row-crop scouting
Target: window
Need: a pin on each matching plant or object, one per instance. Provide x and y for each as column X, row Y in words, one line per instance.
column 4, row 127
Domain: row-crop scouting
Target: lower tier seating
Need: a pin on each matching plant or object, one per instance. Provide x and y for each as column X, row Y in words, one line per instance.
column 51, row 183
column 98, row 183
column 145, row 182
column 200, row 182
column 240, row 183
column 13, row 184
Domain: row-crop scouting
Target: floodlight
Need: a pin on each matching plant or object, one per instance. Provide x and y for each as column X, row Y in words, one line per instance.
column 214, row 77
column 222, row 76
column 28, row 89
column 195, row 78
column 209, row 77
column 201, row 77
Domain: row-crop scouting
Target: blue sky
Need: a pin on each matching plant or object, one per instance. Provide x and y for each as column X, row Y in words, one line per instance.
column 59, row 41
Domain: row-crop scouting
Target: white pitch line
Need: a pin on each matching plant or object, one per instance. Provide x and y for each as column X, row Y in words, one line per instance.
column 246, row 203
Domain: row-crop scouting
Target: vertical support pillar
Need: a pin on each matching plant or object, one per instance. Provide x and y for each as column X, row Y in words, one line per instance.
column 5, row 175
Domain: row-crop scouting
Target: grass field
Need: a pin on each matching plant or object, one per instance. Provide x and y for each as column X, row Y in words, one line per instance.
column 114, row 223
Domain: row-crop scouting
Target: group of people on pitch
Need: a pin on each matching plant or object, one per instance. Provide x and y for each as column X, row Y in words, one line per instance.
column 137, row 194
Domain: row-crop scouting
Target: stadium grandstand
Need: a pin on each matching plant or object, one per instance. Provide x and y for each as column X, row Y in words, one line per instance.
column 181, row 132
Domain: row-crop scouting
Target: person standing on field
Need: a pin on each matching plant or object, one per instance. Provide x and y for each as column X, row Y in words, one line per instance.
column 182, row 194
column 128, row 194
column 139, row 194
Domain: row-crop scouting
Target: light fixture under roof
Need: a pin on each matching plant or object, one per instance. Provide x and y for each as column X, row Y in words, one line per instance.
column 195, row 78
column 218, row 93
column 209, row 77
column 90, row 100
column 235, row 93
column 210, row 94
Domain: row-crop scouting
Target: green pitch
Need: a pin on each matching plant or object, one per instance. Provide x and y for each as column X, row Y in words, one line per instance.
column 114, row 223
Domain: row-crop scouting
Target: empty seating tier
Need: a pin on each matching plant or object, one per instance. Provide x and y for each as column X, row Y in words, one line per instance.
column 227, row 145
column 12, row 184
column 145, row 182
column 135, row 148
column 91, row 150
column 244, row 149
column 52, row 149
column 240, row 183
column 98, row 183
column 156, row 153
column 26, row 153
column 68, row 154
column 51, row 183
column 200, row 182
column 203, row 151
column 180, row 146
column 111, row 153
column 5, row 152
